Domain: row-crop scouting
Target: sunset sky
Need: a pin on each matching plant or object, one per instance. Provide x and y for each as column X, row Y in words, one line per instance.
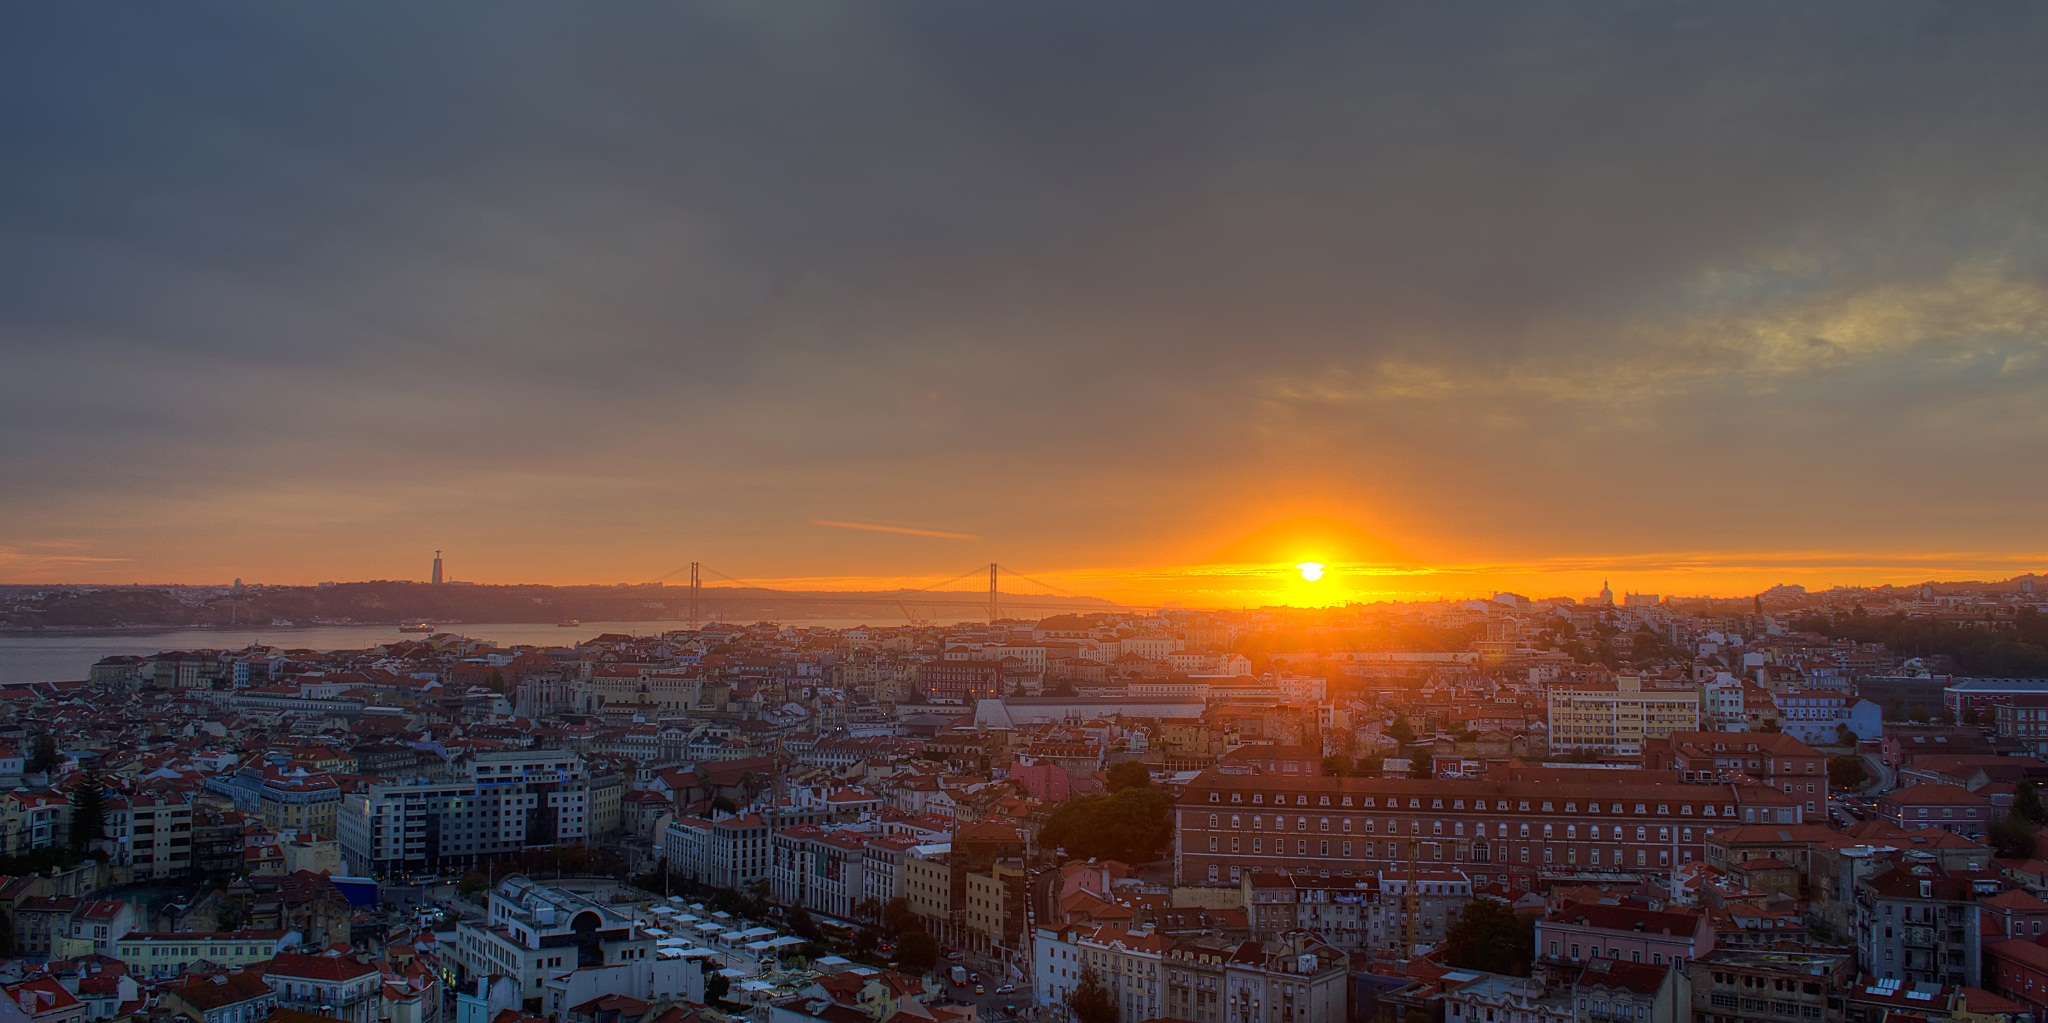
column 1146, row 300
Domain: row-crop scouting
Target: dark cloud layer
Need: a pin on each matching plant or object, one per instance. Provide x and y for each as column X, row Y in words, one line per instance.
column 294, row 291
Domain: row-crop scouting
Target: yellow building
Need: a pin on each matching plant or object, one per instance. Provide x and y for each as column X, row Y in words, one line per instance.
column 993, row 909
column 157, row 954
column 1618, row 716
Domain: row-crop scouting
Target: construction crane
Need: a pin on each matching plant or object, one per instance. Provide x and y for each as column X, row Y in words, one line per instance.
column 1411, row 903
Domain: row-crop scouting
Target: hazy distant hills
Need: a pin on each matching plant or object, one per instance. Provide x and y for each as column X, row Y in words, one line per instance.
column 389, row 603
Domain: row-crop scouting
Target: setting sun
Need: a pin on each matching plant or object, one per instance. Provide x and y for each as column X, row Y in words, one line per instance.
column 1311, row 570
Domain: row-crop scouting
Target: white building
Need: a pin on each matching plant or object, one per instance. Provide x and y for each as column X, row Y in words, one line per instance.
column 152, row 836
column 1616, row 717
column 1296, row 978
column 504, row 803
column 533, row 933
column 732, row 852
column 331, row 984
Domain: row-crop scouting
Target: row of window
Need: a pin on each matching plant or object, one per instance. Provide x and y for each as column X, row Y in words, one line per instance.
column 1499, row 805
column 1595, row 832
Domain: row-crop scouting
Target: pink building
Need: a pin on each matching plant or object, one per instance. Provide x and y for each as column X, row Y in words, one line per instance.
column 1584, row 931
column 1047, row 782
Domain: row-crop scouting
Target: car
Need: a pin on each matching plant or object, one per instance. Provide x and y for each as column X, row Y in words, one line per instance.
column 978, row 990
column 1009, row 1010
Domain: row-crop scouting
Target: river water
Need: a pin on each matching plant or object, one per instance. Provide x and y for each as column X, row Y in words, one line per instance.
column 59, row 656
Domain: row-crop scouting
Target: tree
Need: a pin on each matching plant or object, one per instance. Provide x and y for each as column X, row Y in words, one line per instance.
column 1130, row 774
column 2026, row 804
column 1400, row 731
column 898, row 919
column 1844, row 737
column 916, row 952
column 1421, row 764
column 42, row 754
column 1489, row 936
column 1847, row 773
column 1335, row 766
column 801, row 924
column 715, row 987
column 1090, row 1001
column 88, row 812
column 1917, row 714
column 2012, row 837
column 1134, row 825
column 475, row 883
column 231, row 913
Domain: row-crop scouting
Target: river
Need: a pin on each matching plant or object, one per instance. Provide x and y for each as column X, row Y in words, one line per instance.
column 59, row 656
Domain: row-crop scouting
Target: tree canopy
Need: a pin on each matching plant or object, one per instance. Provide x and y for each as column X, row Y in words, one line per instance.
column 1847, row 773
column 88, row 812
column 2012, row 837
column 42, row 753
column 1130, row 774
column 1489, row 936
column 2026, row 803
column 1134, row 825
column 916, row 952
column 1090, row 1001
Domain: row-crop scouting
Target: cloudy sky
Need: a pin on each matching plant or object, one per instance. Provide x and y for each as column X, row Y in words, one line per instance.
column 1698, row 296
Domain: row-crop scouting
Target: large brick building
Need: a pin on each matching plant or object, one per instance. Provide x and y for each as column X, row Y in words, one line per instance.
column 1779, row 761
column 1512, row 831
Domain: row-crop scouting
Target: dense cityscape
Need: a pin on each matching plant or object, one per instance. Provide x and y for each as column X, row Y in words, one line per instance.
column 1794, row 806
column 1166, row 511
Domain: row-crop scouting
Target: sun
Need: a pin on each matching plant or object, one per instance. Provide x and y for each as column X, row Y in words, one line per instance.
column 1311, row 571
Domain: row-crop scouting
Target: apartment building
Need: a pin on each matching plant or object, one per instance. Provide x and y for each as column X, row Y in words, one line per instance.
column 1494, row 831
column 1496, row 998
column 507, row 802
column 992, row 908
column 1779, row 761
column 1921, row 923
column 882, row 869
column 1951, row 808
column 731, row 852
column 533, row 932
column 1767, row 987
column 331, row 984
column 1823, row 715
column 159, row 954
column 819, row 869
column 33, row 820
column 960, row 681
column 2024, row 718
column 1619, row 716
column 152, row 836
column 1295, row 979
column 1582, row 932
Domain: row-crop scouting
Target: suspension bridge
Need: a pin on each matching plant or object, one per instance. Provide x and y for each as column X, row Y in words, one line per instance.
column 932, row 599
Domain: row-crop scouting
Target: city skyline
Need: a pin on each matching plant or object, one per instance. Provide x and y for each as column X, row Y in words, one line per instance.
column 1155, row 303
